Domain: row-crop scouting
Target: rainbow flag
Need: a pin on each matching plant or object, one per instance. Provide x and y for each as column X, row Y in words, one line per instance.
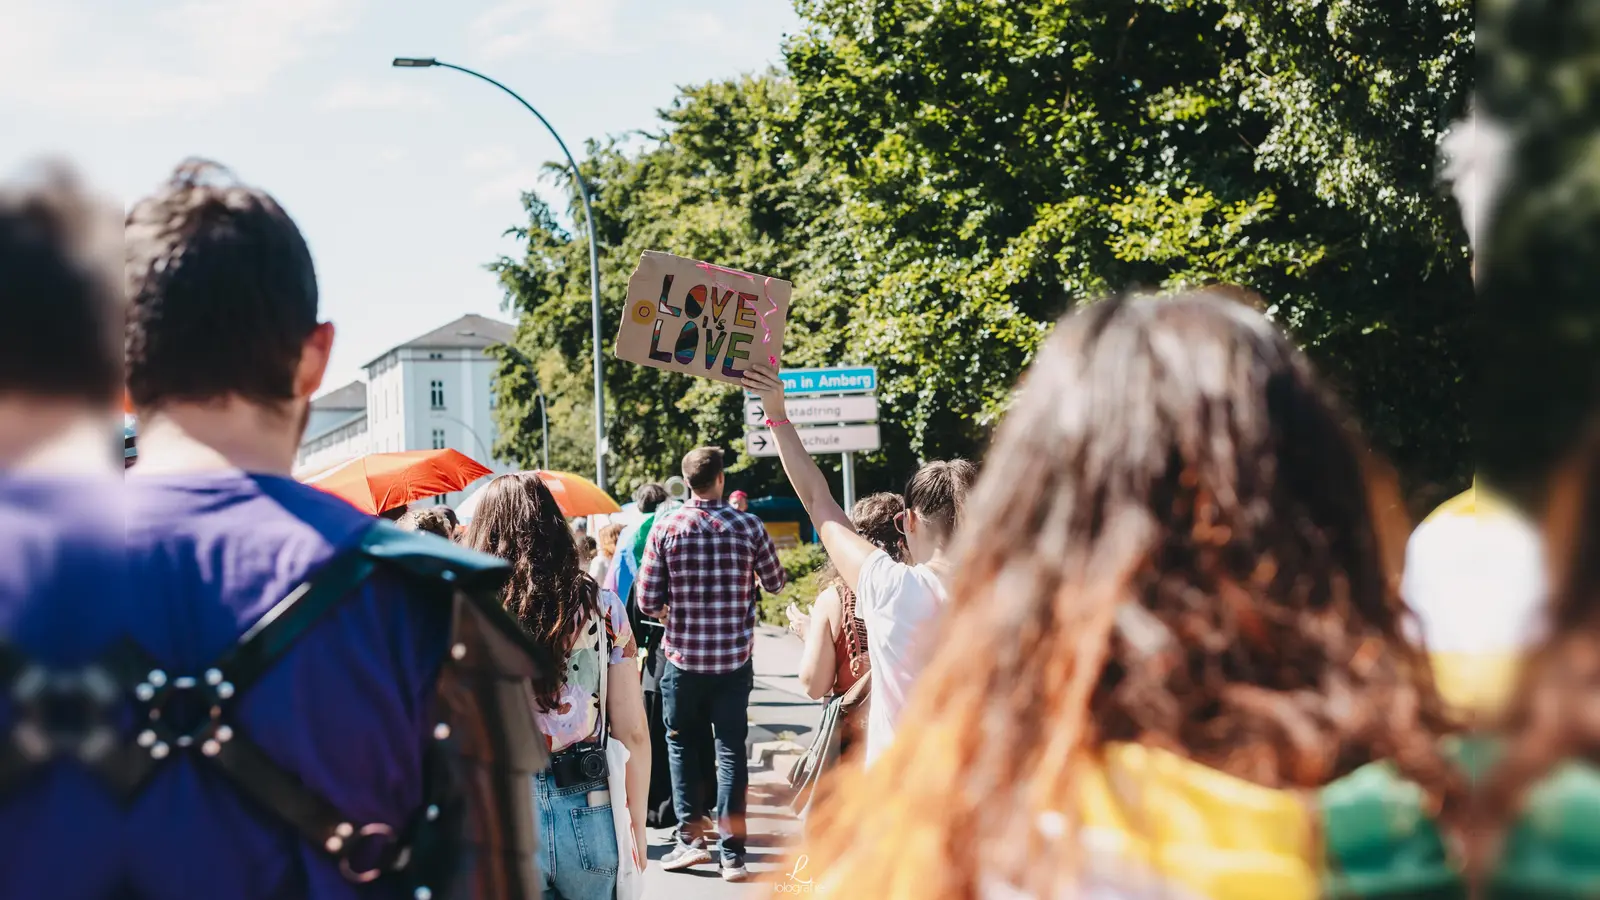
column 631, row 542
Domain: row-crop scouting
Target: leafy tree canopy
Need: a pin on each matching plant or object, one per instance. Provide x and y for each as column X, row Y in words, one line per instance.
column 942, row 179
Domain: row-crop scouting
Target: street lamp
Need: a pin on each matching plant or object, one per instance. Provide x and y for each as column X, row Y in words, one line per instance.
column 488, row 455
column 404, row 62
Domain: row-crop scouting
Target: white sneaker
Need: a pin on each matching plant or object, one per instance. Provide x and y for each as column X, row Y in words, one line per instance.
column 685, row 857
column 735, row 872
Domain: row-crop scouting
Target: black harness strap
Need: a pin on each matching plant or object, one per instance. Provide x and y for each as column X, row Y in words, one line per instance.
column 58, row 714
column 483, row 684
column 270, row 637
column 15, row 762
column 223, row 745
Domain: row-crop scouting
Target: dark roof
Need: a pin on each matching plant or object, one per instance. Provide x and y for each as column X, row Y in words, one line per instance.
column 471, row 331
column 351, row 396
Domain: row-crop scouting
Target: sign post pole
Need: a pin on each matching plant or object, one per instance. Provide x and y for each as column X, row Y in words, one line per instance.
column 849, row 469
column 837, row 411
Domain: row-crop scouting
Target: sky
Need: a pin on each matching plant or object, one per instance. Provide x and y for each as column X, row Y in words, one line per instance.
column 402, row 180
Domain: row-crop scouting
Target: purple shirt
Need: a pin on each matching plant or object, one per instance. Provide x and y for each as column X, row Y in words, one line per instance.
column 63, row 600
column 700, row 562
column 347, row 708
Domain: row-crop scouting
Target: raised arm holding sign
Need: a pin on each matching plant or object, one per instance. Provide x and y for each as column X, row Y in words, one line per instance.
column 688, row 316
column 847, row 549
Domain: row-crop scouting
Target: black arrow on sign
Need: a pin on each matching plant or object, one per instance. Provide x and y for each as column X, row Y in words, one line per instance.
column 759, row 441
column 761, row 413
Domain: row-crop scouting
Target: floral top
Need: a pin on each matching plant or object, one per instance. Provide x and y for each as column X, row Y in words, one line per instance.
column 576, row 717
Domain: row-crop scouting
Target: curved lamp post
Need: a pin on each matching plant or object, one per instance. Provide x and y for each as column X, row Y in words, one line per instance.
column 594, row 254
column 488, row 456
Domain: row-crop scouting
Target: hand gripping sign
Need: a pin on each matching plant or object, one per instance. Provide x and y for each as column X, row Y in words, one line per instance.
column 693, row 317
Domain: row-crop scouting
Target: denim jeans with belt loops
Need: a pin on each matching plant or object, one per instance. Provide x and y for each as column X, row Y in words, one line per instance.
column 577, row 841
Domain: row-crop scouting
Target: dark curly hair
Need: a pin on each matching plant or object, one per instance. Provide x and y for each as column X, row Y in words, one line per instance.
column 437, row 520
column 221, row 290
column 1179, row 543
column 548, row 593
column 873, row 517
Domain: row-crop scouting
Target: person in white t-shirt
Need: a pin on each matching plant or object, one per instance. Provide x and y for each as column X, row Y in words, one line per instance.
column 897, row 601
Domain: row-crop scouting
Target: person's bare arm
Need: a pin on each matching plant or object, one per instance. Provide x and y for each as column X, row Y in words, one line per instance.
column 625, row 712
column 817, row 666
column 847, row 549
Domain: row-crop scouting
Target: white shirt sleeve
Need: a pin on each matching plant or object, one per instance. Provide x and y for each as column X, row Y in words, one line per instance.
column 881, row 581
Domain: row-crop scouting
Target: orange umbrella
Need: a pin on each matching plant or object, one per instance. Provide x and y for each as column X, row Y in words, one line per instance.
column 381, row 481
column 575, row 494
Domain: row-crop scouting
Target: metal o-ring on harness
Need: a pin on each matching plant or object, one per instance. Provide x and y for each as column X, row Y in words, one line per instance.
column 169, row 724
column 347, row 839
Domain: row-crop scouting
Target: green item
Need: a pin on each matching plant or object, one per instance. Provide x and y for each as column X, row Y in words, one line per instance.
column 641, row 536
column 1380, row 842
column 1554, row 850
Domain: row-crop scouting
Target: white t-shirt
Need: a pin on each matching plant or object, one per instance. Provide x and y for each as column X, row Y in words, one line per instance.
column 896, row 601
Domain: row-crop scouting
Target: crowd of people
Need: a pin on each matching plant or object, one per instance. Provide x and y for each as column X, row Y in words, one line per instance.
column 1156, row 647
column 709, row 555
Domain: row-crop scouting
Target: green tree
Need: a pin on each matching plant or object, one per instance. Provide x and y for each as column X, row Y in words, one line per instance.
column 716, row 183
column 942, row 179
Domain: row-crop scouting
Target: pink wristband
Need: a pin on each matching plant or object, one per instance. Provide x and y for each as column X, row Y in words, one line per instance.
column 775, row 423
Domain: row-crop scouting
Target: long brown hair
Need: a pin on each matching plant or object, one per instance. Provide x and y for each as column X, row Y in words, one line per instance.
column 548, row 593
column 1555, row 712
column 1177, row 542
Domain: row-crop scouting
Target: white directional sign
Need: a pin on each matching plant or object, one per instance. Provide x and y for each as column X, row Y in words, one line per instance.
column 825, row 439
column 818, row 410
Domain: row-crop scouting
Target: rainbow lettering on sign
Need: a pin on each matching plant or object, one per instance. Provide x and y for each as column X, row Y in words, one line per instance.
column 704, row 334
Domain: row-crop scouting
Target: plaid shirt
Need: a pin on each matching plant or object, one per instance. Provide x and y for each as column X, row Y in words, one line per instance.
column 699, row 565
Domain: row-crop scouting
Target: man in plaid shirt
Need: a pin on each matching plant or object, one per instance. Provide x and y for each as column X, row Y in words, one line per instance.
column 699, row 569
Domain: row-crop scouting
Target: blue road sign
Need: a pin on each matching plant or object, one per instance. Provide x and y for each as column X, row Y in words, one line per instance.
column 837, row 380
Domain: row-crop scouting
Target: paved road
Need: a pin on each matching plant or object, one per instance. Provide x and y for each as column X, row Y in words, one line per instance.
column 778, row 709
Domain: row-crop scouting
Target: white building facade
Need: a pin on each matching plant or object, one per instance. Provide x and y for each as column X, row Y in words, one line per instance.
column 431, row 393
column 337, row 428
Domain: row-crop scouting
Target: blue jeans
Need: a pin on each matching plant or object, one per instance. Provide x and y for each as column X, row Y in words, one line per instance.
column 577, row 842
column 689, row 702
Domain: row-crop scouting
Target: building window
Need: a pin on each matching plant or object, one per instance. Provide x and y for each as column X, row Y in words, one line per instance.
column 436, row 394
column 436, row 355
column 439, row 500
column 438, row 439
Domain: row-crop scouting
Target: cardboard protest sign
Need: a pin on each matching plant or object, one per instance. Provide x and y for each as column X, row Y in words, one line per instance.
column 688, row 316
